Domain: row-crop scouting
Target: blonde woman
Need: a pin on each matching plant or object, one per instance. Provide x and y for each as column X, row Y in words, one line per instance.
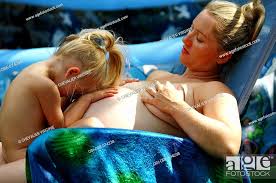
column 214, row 126
column 202, row 107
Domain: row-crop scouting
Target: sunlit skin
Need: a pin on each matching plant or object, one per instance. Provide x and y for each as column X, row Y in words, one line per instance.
column 35, row 92
column 215, row 127
column 65, row 68
column 203, row 50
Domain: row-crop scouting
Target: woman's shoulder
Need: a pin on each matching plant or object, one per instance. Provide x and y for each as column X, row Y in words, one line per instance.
column 158, row 74
column 211, row 89
column 217, row 86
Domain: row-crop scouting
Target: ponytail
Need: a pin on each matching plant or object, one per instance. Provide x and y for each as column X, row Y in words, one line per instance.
column 254, row 13
column 99, row 52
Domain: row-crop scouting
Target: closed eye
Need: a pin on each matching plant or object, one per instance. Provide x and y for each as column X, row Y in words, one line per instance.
column 199, row 40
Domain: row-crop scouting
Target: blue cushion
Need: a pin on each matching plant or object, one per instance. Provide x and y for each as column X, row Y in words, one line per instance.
column 242, row 77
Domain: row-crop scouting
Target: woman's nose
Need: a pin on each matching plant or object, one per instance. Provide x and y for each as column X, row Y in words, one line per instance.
column 187, row 41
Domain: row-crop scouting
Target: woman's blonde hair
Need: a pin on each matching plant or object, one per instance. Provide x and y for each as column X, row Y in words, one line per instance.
column 236, row 25
column 98, row 50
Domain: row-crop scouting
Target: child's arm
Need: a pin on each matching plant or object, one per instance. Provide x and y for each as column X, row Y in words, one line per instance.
column 76, row 110
column 65, row 102
column 50, row 101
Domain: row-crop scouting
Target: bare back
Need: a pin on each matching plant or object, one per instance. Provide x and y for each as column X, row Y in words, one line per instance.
column 21, row 114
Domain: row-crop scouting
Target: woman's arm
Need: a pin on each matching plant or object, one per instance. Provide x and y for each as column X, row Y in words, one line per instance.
column 217, row 130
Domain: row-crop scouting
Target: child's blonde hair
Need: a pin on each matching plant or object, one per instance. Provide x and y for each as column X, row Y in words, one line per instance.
column 99, row 54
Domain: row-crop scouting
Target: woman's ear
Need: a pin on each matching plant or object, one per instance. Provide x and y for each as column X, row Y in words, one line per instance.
column 224, row 58
column 72, row 71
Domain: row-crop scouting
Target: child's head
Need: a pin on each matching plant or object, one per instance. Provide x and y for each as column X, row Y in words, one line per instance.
column 89, row 61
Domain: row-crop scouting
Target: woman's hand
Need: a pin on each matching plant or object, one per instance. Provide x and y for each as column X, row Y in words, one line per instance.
column 166, row 98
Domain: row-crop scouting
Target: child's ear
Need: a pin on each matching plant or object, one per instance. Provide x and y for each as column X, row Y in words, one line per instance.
column 72, row 71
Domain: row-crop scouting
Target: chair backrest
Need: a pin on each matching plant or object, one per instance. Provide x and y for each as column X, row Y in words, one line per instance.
column 242, row 76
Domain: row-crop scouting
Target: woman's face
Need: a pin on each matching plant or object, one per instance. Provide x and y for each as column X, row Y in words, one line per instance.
column 200, row 50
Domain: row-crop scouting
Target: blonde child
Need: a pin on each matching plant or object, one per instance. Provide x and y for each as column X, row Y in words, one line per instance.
column 36, row 98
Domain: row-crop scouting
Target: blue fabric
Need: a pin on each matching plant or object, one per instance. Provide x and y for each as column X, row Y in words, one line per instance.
column 242, row 76
column 105, row 5
column 259, row 136
column 78, row 155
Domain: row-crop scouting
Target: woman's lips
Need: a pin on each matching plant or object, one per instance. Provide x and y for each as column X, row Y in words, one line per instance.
column 184, row 51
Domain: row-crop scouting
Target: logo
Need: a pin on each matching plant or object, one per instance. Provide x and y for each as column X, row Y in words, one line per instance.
column 248, row 165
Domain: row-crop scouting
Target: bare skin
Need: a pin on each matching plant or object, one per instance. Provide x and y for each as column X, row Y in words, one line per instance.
column 131, row 113
column 215, row 126
column 34, row 102
column 14, row 172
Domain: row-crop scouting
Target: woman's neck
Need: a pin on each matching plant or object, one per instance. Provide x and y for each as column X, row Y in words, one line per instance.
column 203, row 76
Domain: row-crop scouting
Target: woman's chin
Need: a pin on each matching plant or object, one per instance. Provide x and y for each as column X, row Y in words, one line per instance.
column 183, row 59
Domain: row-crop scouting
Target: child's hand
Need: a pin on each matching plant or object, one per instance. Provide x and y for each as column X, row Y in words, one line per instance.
column 101, row 94
column 128, row 80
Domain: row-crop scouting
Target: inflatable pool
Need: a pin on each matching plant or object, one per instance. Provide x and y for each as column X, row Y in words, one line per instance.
column 104, row 5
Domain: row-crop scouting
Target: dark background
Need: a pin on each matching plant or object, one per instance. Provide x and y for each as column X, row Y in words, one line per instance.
column 142, row 25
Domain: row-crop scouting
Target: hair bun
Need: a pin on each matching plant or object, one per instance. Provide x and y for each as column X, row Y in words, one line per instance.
column 254, row 13
column 247, row 11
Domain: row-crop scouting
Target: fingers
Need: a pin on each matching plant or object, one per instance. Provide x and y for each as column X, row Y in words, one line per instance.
column 159, row 86
column 151, row 91
column 108, row 95
column 110, row 90
column 101, row 96
column 122, row 83
column 148, row 100
column 129, row 80
column 170, row 86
